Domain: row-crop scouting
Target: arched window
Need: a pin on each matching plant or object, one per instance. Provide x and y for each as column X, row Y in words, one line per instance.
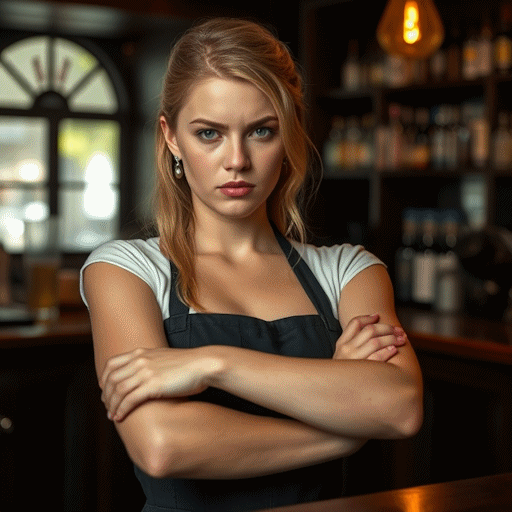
column 60, row 135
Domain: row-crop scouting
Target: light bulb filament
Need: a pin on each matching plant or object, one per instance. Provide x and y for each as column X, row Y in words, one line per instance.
column 412, row 32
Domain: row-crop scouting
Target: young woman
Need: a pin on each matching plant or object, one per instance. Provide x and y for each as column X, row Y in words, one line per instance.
column 238, row 363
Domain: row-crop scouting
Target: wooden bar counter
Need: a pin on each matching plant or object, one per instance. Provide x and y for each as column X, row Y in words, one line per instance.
column 71, row 328
column 458, row 335
column 484, row 494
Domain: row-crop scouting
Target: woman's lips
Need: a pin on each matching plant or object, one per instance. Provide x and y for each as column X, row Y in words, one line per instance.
column 236, row 188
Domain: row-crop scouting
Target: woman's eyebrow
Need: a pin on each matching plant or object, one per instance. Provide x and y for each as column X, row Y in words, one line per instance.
column 221, row 126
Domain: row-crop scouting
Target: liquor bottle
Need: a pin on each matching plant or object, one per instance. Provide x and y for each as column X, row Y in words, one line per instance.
column 367, row 145
column 351, row 69
column 333, row 146
column 425, row 262
column 503, row 40
column 449, row 290
column 501, row 150
column 404, row 256
column 381, row 146
column 451, row 156
column 470, row 56
column 395, row 137
column 484, row 48
column 353, row 143
column 453, row 55
column 438, row 65
column 409, row 136
column 464, row 135
column 480, row 137
column 438, row 137
column 421, row 158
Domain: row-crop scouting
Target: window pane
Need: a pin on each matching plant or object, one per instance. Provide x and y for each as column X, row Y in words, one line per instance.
column 72, row 64
column 30, row 59
column 89, row 217
column 89, row 151
column 16, row 206
column 97, row 96
column 23, row 149
column 11, row 93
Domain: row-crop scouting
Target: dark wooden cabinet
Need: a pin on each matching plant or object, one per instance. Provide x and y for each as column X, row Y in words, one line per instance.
column 61, row 451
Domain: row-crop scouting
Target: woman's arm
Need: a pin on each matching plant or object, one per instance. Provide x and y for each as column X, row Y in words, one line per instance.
column 176, row 437
column 362, row 399
column 359, row 398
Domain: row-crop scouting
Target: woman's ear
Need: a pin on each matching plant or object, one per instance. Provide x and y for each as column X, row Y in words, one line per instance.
column 170, row 137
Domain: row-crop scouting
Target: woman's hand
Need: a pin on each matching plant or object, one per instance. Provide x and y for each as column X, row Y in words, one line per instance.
column 366, row 338
column 135, row 377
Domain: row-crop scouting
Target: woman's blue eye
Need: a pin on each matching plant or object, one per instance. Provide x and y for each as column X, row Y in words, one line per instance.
column 263, row 132
column 208, row 134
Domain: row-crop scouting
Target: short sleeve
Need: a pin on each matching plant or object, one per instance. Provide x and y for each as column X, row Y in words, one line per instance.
column 140, row 257
column 335, row 266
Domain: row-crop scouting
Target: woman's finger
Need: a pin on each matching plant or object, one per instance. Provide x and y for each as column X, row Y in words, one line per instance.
column 117, row 362
column 369, row 347
column 372, row 332
column 120, row 391
column 384, row 354
column 117, row 376
column 130, row 401
column 356, row 324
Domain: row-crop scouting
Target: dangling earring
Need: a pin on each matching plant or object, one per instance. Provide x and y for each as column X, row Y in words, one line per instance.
column 178, row 171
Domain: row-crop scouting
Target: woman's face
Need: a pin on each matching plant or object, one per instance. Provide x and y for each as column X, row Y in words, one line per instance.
column 227, row 135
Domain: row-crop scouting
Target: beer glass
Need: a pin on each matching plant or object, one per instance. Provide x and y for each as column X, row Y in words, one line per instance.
column 42, row 263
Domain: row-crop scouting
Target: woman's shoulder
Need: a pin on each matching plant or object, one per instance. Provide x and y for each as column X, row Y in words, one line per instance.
column 138, row 256
column 334, row 266
column 342, row 257
column 130, row 255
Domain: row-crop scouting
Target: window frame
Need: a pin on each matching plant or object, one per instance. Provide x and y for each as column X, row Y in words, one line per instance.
column 55, row 116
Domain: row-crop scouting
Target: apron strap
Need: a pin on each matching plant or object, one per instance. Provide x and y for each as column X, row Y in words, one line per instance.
column 178, row 311
column 309, row 282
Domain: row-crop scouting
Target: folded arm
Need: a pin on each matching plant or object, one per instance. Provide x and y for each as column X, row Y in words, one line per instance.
column 355, row 398
column 173, row 436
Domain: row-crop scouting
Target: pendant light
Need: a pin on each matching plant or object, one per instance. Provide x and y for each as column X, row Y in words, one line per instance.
column 410, row 28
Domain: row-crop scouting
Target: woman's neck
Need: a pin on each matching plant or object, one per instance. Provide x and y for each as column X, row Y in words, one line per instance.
column 235, row 238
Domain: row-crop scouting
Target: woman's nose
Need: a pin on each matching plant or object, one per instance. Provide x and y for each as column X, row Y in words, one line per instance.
column 237, row 156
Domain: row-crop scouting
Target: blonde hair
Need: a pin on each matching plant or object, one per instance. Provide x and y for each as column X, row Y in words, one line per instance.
column 229, row 49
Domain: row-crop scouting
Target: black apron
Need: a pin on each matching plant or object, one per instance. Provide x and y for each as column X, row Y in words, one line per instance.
column 299, row 336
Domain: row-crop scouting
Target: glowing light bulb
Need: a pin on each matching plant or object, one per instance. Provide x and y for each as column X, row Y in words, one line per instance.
column 410, row 28
column 412, row 31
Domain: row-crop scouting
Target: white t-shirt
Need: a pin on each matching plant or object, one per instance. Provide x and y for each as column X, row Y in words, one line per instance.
column 332, row 266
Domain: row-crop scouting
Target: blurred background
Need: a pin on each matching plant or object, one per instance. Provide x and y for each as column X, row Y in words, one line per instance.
column 410, row 108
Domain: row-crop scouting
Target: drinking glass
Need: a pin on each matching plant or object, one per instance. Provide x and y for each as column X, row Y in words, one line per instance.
column 42, row 262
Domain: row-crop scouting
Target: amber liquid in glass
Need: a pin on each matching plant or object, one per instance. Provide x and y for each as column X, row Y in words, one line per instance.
column 43, row 285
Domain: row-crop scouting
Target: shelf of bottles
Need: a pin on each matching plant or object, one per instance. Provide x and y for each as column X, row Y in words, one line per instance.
column 443, row 266
column 451, row 113
column 427, row 270
column 431, row 140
